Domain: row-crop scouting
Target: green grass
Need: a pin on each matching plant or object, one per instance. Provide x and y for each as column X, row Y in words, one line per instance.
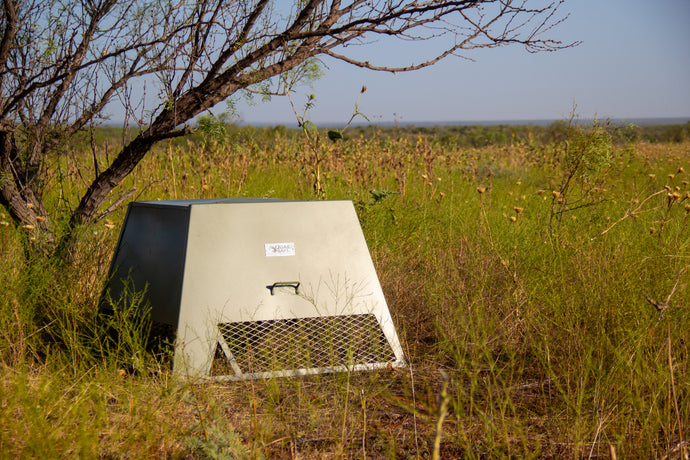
column 522, row 312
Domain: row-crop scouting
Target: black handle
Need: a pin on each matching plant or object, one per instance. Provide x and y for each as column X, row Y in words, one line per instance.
column 279, row 284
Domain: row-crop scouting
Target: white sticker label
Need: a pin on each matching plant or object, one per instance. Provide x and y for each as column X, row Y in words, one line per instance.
column 279, row 249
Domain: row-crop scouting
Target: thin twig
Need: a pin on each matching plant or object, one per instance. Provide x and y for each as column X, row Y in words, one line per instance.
column 442, row 412
column 596, row 436
column 629, row 213
column 117, row 204
column 347, row 400
column 364, row 423
column 673, row 392
column 414, row 402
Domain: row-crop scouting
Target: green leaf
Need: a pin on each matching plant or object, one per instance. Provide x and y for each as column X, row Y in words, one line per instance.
column 309, row 125
column 335, row 134
column 363, row 116
column 379, row 195
column 213, row 127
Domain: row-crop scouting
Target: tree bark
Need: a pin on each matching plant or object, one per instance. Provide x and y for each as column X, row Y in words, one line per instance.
column 17, row 192
column 120, row 168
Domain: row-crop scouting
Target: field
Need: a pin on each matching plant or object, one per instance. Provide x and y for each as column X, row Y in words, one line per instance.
column 539, row 279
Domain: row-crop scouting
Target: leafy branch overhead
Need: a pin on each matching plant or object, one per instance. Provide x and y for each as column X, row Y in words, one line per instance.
column 63, row 63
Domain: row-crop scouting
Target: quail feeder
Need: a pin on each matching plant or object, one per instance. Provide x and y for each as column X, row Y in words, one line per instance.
column 255, row 288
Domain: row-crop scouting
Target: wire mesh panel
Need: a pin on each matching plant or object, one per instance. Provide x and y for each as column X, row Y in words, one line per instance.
column 252, row 347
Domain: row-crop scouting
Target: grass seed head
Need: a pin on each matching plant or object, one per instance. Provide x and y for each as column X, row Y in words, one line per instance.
column 675, row 196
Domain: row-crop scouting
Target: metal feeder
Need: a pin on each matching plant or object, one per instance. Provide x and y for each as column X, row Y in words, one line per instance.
column 256, row 287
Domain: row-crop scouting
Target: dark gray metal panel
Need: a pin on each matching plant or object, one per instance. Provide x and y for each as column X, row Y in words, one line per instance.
column 150, row 256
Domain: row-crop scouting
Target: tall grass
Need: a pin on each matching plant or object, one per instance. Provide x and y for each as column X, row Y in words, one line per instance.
column 518, row 275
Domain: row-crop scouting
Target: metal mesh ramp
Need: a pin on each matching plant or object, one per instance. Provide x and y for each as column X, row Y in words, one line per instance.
column 300, row 346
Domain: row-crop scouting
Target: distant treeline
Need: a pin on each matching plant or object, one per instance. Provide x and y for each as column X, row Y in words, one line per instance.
column 483, row 135
column 466, row 136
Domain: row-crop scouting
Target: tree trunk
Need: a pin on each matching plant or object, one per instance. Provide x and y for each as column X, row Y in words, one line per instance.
column 18, row 189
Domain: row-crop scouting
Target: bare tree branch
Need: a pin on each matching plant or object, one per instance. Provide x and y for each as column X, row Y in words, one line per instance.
column 62, row 63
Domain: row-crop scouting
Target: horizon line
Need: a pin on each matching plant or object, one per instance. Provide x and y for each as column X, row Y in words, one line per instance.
column 639, row 121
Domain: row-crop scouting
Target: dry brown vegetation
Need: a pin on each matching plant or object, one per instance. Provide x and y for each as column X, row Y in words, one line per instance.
column 517, row 275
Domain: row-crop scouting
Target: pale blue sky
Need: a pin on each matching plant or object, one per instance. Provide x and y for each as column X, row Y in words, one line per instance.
column 634, row 62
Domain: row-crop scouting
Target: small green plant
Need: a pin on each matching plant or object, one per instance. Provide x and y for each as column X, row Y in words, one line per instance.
column 586, row 154
column 312, row 137
column 214, row 128
column 119, row 334
column 218, row 442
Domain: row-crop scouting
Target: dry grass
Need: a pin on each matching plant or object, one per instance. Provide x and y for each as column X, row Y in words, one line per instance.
column 528, row 333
